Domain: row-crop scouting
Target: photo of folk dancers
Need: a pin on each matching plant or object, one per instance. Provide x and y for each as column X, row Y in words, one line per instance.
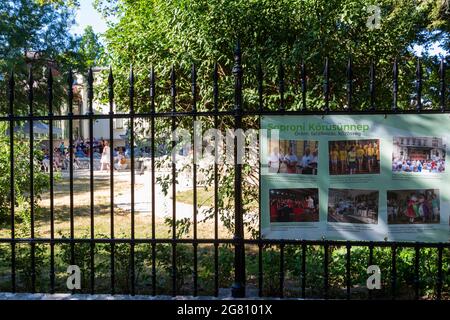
column 421, row 206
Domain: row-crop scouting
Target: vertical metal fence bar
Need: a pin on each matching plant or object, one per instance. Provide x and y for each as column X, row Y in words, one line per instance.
column 260, row 270
column 439, row 275
column 394, row 272
column 326, row 86
column 11, row 85
column 419, row 86
column 111, row 178
column 442, row 88
column 303, row 270
column 395, row 86
column 259, row 76
column 281, row 88
column 70, row 149
column 31, row 140
column 52, row 207
column 153, row 177
column 90, row 92
column 326, row 265
column 260, row 79
column 349, row 83
column 372, row 86
column 303, row 84
column 238, row 289
column 132, row 246
column 370, row 263
column 194, row 179
column 348, row 270
column 416, row 272
column 173, row 93
column 282, row 270
column 216, row 181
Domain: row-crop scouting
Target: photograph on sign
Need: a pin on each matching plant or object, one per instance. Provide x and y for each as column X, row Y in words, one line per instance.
column 413, row 206
column 354, row 156
column 353, row 206
column 293, row 156
column 418, row 154
column 294, row 205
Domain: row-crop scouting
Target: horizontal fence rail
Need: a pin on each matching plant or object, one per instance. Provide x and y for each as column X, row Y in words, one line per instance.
column 239, row 242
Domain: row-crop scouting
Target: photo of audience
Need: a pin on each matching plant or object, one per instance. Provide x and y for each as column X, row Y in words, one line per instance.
column 418, row 155
column 353, row 206
column 293, row 156
column 413, row 206
column 294, row 205
column 354, row 157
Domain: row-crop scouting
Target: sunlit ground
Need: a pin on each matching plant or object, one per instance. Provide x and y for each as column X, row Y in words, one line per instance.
column 121, row 210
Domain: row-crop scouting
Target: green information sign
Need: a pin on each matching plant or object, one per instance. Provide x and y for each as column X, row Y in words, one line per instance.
column 356, row 177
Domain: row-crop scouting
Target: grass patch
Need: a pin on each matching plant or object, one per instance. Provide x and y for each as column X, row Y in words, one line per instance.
column 102, row 212
column 205, row 197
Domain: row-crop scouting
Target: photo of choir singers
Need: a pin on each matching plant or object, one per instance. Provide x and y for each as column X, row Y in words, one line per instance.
column 294, row 205
column 293, row 156
column 354, row 157
column 353, row 206
column 413, row 206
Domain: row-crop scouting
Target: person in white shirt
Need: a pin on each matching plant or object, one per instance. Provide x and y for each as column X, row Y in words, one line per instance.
column 274, row 161
column 310, row 202
column 106, row 156
column 121, row 162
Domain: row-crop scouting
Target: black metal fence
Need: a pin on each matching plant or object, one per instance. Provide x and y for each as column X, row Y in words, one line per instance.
column 239, row 242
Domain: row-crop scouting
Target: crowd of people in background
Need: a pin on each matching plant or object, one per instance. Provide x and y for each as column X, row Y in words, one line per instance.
column 82, row 152
column 421, row 166
column 354, row 157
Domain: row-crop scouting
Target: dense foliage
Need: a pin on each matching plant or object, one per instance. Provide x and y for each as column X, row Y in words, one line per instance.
column 36, row 34
column 21, row 181
column 180, row 33
column 314, row 271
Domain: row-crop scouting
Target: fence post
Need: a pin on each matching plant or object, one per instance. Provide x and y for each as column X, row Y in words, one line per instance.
column 238, row 289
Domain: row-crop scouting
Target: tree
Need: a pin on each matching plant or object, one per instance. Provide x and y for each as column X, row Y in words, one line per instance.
column 90, row 49
column 439, row 22
column 36, row 34
column 162, row 33
column 21, row 178
column 33, row 34
column 158, row 33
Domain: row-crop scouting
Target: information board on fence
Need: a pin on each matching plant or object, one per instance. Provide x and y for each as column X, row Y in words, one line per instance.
column 355, row 177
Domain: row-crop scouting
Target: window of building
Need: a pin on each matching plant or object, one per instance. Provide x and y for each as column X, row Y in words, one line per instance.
column 118, row 123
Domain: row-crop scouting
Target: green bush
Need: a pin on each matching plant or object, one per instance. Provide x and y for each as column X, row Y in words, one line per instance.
column 21, row 178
